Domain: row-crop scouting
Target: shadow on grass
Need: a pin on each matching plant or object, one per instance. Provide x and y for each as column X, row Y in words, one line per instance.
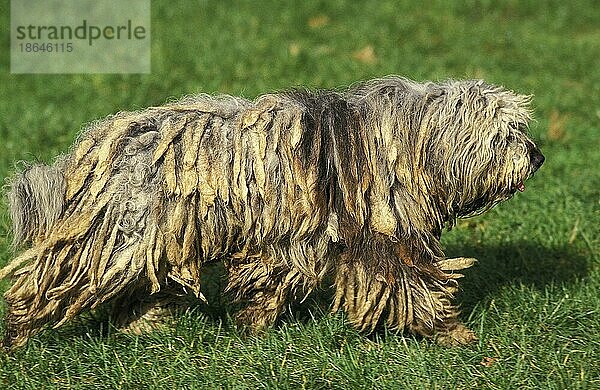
column 525, row 262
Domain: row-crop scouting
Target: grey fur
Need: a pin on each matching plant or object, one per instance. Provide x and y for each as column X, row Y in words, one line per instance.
column 36, row 201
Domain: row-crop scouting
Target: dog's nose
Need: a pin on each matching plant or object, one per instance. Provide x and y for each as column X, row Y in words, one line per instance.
column 537, row 159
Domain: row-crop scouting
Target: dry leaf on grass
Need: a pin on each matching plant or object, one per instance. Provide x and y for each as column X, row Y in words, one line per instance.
column 556, row 125
column 365, row 55
column 318, row 21
column 294, row 49
column 488, row 361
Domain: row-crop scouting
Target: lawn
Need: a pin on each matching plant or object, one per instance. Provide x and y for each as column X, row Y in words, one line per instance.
column 534, row 297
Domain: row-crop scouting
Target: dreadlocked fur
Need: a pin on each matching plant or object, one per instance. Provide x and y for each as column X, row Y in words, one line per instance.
column 288, row 190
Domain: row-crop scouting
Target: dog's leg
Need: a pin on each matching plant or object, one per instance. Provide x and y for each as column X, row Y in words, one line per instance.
column 436, row 316
column 64, row 280
column 450, row 331
column 18, row 327
column 265, row 286
column 379, row 282
column 262, row 286
column 141, row 312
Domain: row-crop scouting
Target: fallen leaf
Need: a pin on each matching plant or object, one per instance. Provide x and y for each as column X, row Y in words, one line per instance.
column 318, row 21
column 488, row 361
column 294, row 49
column 365, row 55
column 556, row 125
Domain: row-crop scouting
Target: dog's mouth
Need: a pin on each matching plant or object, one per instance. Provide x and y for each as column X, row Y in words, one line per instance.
column 517, row 186
column 520, row 186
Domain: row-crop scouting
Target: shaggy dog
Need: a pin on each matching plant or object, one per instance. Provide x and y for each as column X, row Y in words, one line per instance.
column 289, row 190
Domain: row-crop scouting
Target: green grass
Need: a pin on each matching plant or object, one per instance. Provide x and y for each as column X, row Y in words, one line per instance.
column 533, row 298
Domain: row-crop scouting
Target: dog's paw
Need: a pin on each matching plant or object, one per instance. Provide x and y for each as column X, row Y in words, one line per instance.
column 459, row 335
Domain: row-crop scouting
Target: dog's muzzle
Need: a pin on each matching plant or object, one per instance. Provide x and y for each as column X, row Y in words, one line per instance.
column 537, row 159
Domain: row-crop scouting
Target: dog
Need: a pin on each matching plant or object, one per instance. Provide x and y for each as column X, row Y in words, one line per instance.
column 290, row 190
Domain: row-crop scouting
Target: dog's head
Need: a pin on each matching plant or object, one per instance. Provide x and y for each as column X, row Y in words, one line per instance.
column 481, row 150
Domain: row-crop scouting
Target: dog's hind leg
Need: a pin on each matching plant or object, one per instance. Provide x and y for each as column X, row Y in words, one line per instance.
column 141, row 312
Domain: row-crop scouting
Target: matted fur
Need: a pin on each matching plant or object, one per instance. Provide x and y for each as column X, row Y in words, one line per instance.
column 289, row 190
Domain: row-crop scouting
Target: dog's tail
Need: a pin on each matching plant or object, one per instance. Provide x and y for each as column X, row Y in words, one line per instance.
column 36, row 201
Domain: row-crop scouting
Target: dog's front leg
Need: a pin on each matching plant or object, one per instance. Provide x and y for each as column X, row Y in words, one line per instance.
column 381, row 281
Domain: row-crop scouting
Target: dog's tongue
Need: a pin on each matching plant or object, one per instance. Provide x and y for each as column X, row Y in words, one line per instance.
column 521, row 186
